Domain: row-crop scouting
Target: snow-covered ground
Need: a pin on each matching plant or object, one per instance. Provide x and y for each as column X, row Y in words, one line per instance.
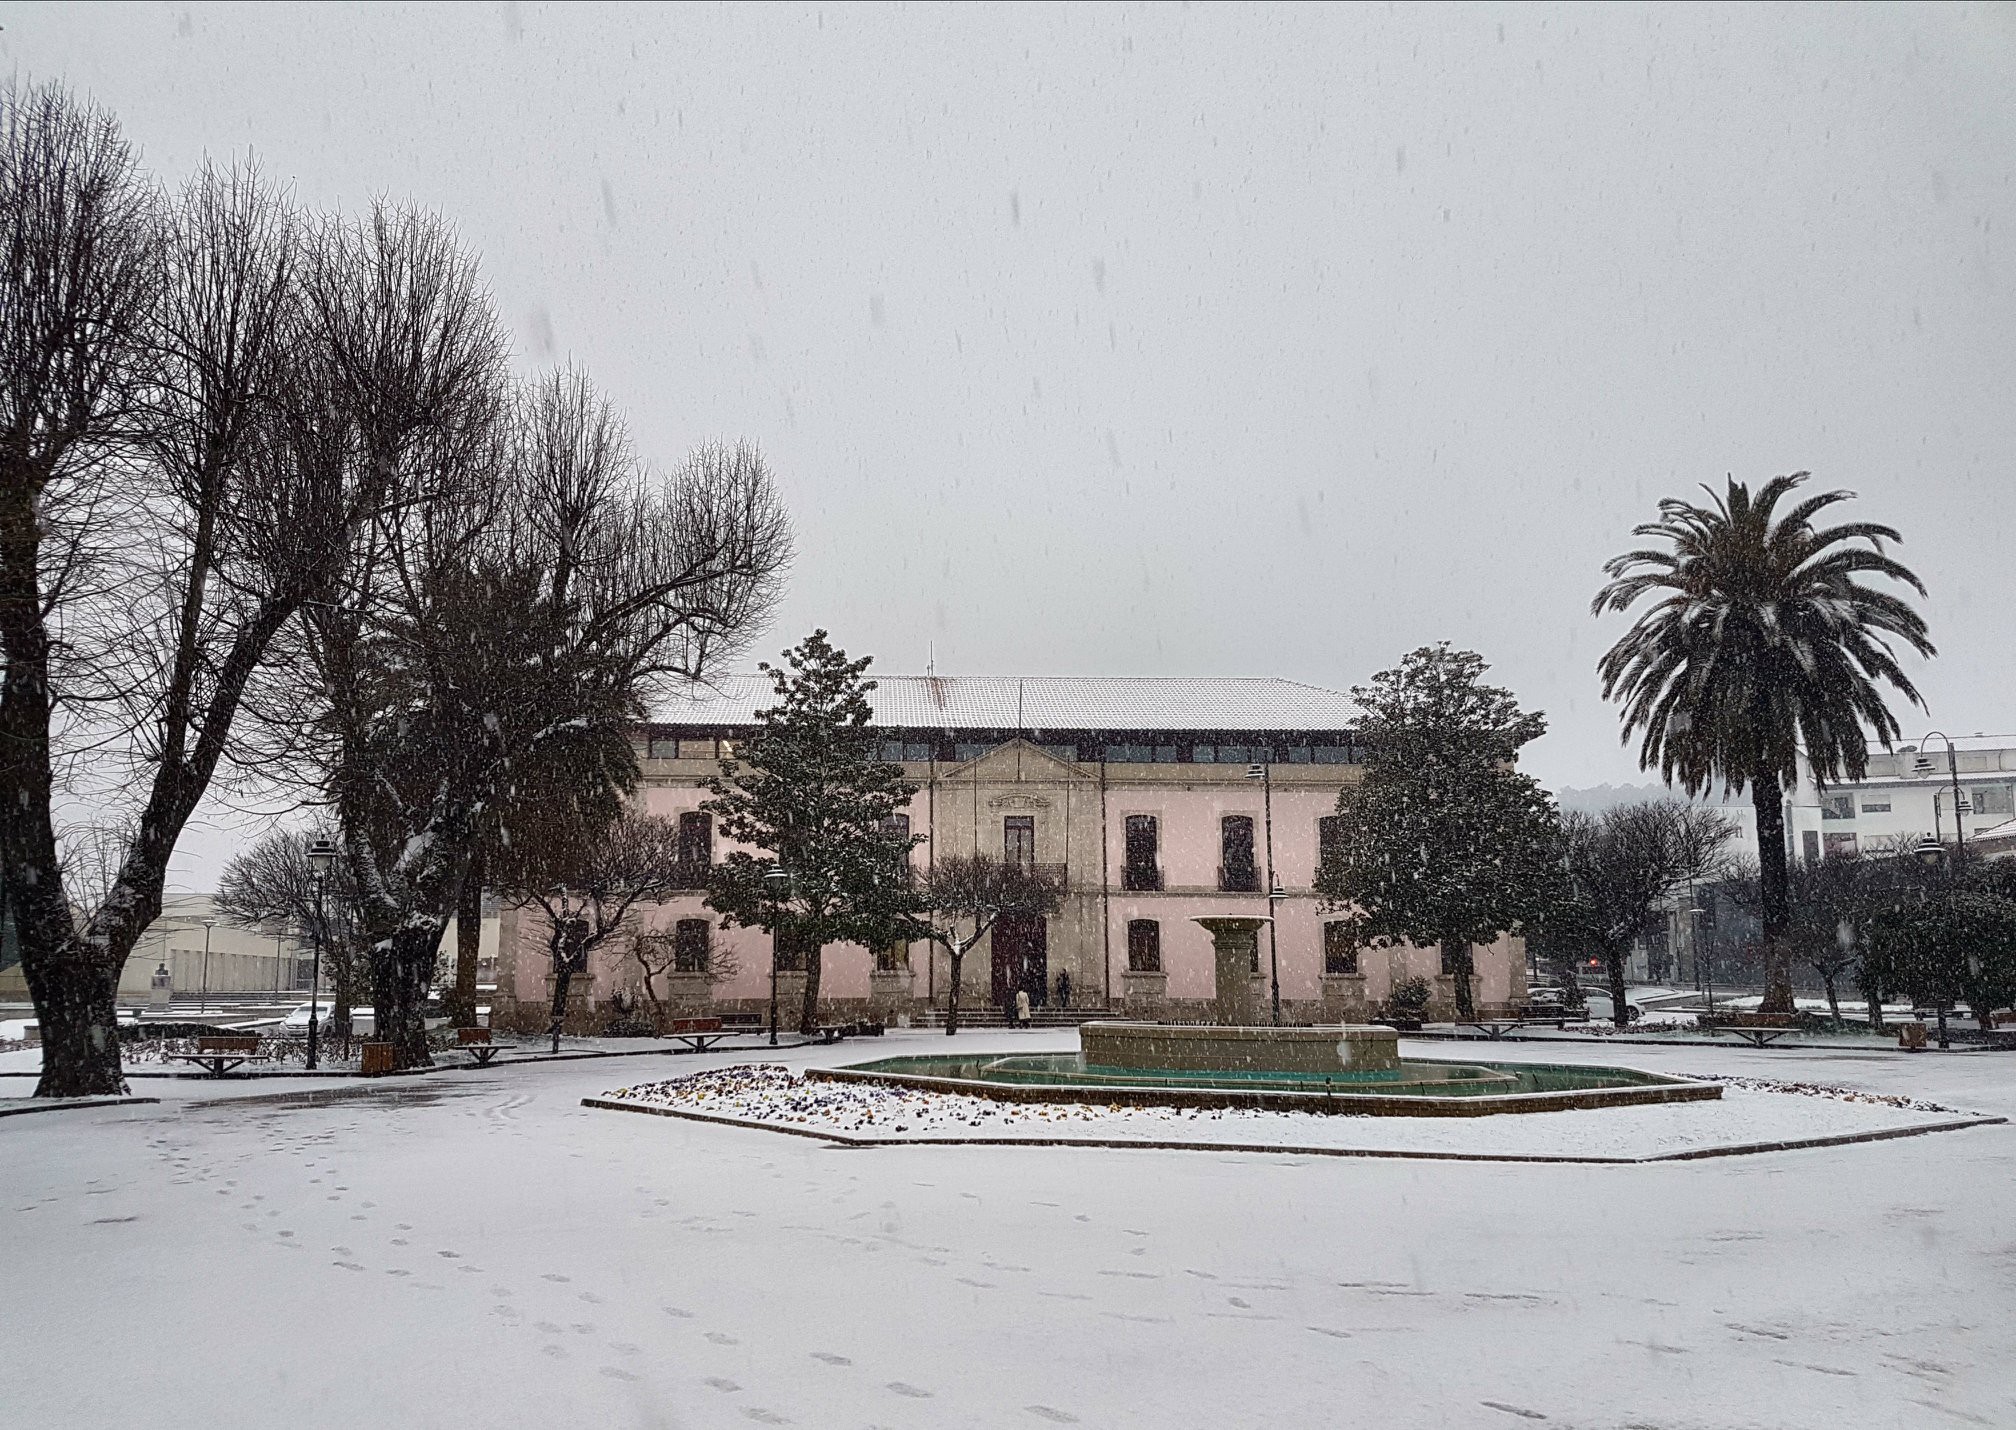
column 478, row 1247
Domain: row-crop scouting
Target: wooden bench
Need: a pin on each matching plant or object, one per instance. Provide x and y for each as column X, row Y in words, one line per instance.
column 700, row 1034
column 476, row 1042
column 1496, row 1028
column 1757, row 1029
column 221, row 1055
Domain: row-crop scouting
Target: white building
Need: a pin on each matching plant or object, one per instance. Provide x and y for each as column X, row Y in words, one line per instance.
column 1907, row 795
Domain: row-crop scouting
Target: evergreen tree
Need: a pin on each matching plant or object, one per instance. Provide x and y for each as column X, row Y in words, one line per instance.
column 1443, row 842
column 807, row 790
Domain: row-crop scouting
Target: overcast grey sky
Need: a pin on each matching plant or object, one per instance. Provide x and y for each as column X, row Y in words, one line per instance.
column 1211, row 340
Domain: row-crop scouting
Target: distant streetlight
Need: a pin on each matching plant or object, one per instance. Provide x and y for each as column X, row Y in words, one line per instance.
column 203, row 1006
column 1265, row 774
column 321, row 859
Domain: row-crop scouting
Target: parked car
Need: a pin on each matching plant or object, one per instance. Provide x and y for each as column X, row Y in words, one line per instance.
column 362, row 1020
column 1601, row 1009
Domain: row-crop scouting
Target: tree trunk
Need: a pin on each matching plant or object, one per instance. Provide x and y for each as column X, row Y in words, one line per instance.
column 563, row 977
column 1765, row 798
column 406, row 969
column 1833, row 1002
column 808, row 1015
column 1874, row 994
column 468, row 945
column 958, row 956
column 1456, row 952
column 1620, row 1010
column 74, row 1007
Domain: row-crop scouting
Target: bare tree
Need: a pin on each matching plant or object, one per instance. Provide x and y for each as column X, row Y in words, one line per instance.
column 272, row 884
column 588, row 880
column 975, row 890
column 1619, row 866
column 657, row 953
column 507, row 628
column 148, row 556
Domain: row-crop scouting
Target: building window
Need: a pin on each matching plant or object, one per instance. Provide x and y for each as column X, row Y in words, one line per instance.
column 1143, row 869
column 963, row 752
column 1882, row 808
column 696, row 842
column 1236, row 872
column 1018, row 839
column 1809, row 843
column 892, row 958
column 912, row 752
column 1837, row 806
column 897, row 826
column 1329, row 840
column 1340, row 950
column 662, row 747
column 691, row 945
column 791, row 945
column 1838, row 844
column 1141, row 754
column 1144, row 946
column 1331, row 755
column 1992, row 799
column 1062, row 752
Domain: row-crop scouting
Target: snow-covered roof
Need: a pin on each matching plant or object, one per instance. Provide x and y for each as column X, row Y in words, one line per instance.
column 1047, row 702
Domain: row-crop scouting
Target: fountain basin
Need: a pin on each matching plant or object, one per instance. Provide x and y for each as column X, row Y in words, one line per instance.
column 1183, row 1048
column 1412, row 1088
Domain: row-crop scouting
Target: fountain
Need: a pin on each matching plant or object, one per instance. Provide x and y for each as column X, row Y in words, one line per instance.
column 1236, row 1061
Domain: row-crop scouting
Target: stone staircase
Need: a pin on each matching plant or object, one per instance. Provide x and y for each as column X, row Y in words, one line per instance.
column 991, row 1017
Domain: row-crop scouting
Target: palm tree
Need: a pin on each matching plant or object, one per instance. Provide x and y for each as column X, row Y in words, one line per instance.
column 1762, row 638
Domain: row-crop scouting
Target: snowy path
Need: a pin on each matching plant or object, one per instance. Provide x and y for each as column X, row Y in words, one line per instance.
column 481, row 1248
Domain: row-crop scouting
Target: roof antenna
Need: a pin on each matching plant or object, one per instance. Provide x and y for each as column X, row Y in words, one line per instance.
column 931, row 660
column 1019, row 726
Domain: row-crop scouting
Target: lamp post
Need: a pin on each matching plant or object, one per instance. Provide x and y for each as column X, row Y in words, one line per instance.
column 1265, row 774
column 321, row 859
column 775, row 882
column 1923, row 765
column 203, row 1005
column 1931, row 854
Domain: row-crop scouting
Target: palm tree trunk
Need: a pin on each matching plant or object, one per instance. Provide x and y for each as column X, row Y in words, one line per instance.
column 1766, row 798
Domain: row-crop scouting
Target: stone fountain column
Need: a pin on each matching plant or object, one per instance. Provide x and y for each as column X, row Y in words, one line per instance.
column 1234, row 941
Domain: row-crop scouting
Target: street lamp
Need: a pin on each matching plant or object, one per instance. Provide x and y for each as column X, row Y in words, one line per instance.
column 1923, row 766
column 321, row 859
column 1931, row 855
column 1265, row 774
column 776, row 883
column 203, row 1006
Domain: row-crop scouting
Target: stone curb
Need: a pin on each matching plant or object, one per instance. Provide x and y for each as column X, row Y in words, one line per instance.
column 1127, row 1144
column 73, row 1104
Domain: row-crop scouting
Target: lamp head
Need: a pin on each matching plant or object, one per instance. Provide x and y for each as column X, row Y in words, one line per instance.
column 321, row 855
column 1930, row 852
column 1256, row 772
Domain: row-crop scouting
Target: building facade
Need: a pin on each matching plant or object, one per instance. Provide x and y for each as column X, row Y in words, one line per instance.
column 1162, row 801
column 1907, row 795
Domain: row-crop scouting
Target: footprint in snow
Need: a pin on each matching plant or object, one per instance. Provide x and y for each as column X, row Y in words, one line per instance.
column 830, row 1358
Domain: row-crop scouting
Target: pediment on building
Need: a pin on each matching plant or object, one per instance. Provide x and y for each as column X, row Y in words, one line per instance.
column 1018, row 760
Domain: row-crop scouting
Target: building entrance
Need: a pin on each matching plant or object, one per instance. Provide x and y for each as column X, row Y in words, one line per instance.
column 1021, row 959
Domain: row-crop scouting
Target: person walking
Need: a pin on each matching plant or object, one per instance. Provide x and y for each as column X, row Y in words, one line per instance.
column 1021, row 1007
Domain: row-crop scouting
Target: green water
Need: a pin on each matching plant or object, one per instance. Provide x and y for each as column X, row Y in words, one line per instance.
column 1413, row 1078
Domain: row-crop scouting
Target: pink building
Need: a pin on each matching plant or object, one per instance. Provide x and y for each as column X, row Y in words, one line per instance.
column 1161, row 799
